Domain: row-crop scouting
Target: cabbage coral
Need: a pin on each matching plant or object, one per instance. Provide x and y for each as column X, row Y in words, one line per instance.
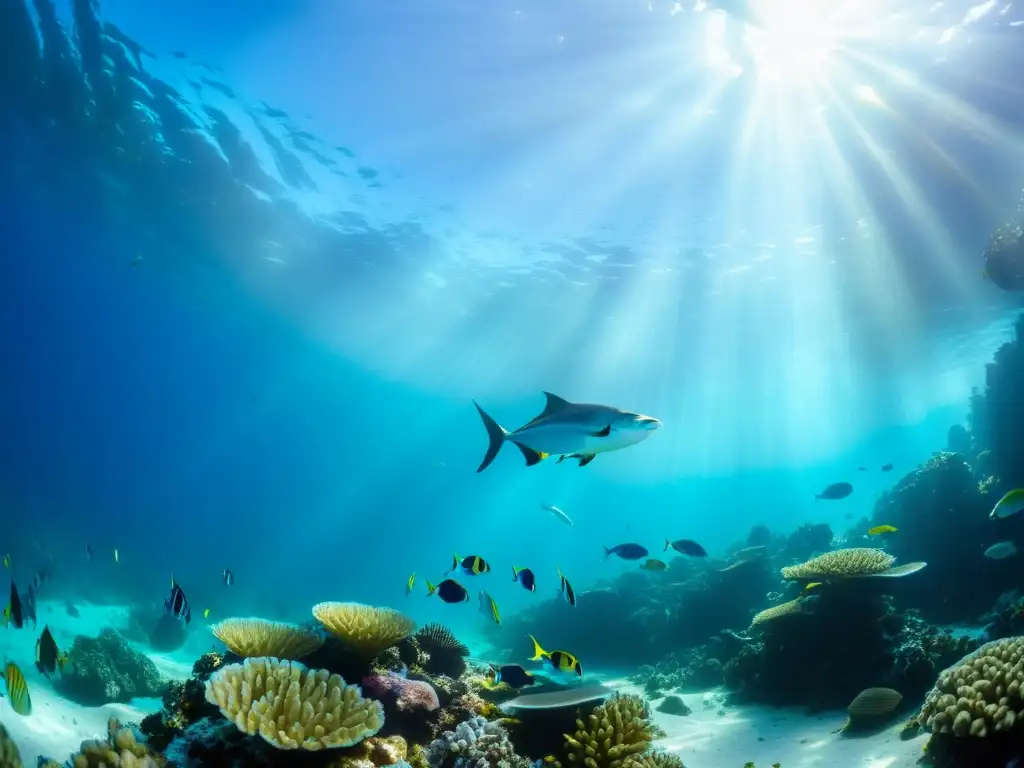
column 260, row 637
column 292, row 707
column 843, row 563
column 364, row 628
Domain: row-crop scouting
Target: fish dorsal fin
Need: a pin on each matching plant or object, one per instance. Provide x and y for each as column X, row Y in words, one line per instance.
column 554, row 404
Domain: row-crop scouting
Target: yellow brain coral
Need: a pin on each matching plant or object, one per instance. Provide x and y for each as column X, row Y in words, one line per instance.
column 260, row 637
column 364, row 628
column 843, row 563
column 979, row 694
column 292, row 707
column 615, row 734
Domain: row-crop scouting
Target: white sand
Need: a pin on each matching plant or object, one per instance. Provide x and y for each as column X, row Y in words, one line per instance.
column 56, row 727
column 767, row 735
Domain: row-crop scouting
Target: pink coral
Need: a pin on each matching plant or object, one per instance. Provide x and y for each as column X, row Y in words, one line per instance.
column 406, row 694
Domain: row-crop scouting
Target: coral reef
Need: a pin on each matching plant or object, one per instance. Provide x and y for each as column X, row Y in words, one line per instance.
column 997, row 414
column 121, row 748
column 475, row 743
column 259, row 637
column 291, row 706
column 364, row 629
column 940, row 503
column 690, row 669
column 841, row 564
column 614, row 732
column 105, row 668
column 406, row 693
column 674, row 705
column 445, row 654
column 9, row 755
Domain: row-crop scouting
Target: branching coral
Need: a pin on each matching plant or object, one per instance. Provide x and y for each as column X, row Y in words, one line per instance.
column 120, row 748
column 364, row 628
column 292, row 707
column 979, row 694
column 616, row 731
column 261, row 637
column 9, row 755
column 841, row 564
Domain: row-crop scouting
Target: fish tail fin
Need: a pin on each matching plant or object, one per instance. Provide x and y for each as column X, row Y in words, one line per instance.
column 532, row 457
column 515, row 573
column 607, row 552
column 431, row 588
column 496, row 435
column 455, row 564
column 538, row 652
column 667, row 545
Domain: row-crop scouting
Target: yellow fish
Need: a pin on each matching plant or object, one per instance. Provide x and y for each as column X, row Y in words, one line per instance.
column 206, row 613
column 17, row 690
column 654, row 564
column 812, row 585
column 409, row 584
column 7, row 560
column 879, row 529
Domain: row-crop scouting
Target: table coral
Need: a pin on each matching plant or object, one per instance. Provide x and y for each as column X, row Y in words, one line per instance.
column 105, row 668
column 247, row 637
column 365, row 629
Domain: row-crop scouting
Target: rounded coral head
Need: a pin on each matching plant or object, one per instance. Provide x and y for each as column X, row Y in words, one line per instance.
column 365, row 629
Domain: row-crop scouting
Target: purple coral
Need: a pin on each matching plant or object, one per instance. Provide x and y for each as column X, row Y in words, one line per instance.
column 404, row 693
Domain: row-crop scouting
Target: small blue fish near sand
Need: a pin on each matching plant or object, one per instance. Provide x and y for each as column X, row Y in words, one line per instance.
column 627, row 551
column 564, row 428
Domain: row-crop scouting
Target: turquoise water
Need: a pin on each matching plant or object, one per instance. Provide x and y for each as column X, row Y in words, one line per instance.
column 253, row 283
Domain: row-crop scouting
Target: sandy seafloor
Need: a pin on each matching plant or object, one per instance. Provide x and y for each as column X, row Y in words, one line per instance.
column 714, row 735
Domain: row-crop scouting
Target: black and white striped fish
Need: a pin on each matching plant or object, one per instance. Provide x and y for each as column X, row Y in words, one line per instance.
column 176, row 604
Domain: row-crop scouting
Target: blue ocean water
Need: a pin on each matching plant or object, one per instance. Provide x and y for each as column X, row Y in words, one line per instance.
column 246, row 331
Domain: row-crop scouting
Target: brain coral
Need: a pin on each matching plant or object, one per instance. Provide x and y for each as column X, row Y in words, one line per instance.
column 364, row 628
column 260, row 637
column 292, row 707
column 980, row 693
column 843, row 563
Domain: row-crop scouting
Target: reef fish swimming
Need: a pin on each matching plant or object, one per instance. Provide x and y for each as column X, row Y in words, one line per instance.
column 512, row 675
column 1001, row 551
column 654, row 565
column 488, row 607
column 48, row 656
column 1011, row 503
column 17, row 689
column 525, row 578
column 471, row 566
column 627, row 551
column 568, row 428
column 565, row 588
column 176, row 604
column 557, row 513
column 686, row 547
column 560, row 661
column 835, row 492
column 13, row 613
column 880, row 529
column 449, row 590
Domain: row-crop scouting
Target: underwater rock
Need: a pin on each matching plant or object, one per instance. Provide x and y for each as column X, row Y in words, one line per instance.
column 958, row 440
column 674, row 705
column 167, row 634
column 105, row 668
column 943, row 519
column 808, row 540
column 404, row 693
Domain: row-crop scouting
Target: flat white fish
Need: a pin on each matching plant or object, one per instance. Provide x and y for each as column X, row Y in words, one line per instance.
column 1001, row 551
column 1011, row 503
column 568, row 429
column 557, row 513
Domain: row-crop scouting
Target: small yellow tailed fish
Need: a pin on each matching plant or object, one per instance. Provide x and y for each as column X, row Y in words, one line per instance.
column 409, row 584
column 879, row 529
column 206, row 613
column 1011, row 503
column 7, row 560
column 117, row 556
column 560, row 661
column 812, row 585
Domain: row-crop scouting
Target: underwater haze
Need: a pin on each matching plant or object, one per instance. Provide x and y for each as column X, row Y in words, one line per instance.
column 259, row 264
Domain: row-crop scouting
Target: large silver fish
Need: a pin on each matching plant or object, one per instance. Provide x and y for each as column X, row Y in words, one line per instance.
column 569, row 429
